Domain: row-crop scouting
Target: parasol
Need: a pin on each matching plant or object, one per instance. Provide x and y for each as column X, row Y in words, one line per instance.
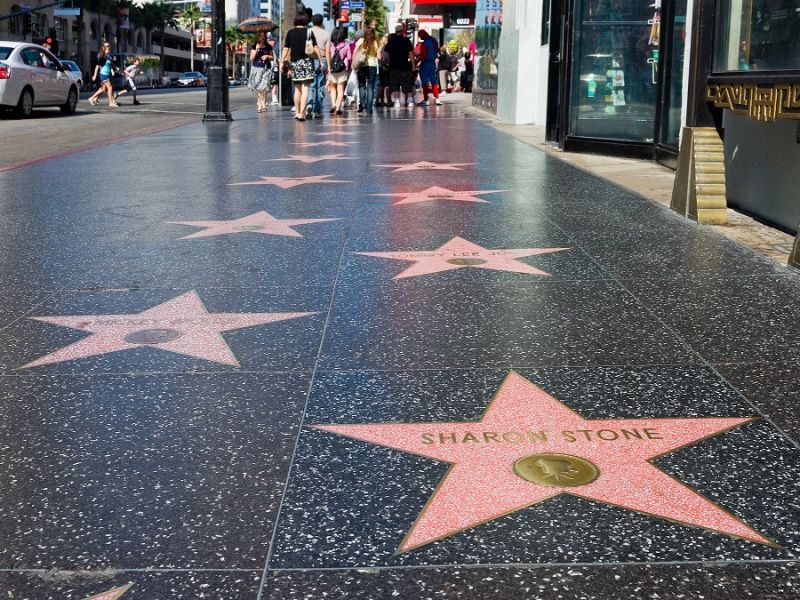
column 255, row 24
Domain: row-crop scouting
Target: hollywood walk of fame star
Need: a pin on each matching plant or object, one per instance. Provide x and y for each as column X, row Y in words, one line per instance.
column 181, row 325
column 323, row 143
column 459, row 253
column 111, row 594
column 290, row 182
column 260, row 222
column 529, row 447
column 308, row 159
column 424, row 165
column 439, row 193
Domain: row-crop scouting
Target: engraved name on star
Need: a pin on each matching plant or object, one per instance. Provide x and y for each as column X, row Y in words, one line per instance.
column 459, row 253
column 112, row 594
column 290, row 182
column 260, row 222
column 309, row 159
column 529, row 447
column 425, row 165
column 439, row 193
column 181, row 325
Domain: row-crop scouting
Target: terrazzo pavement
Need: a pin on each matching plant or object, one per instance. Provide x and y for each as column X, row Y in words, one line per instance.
column 206, row 453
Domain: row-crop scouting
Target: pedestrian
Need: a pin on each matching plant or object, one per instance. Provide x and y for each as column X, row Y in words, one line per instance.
column 103, row 70
column 469, row 72
column 401, row 63
column 131, row 73
column 443, row 69
column 294, row 50
column 339, row 59
column 260, row 70
column 320, row 66
column 365, row 63
column 428, row 50
column 382, row 91
column 275, row 72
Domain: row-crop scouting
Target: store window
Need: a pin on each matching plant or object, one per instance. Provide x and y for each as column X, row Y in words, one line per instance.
column 757, row 35
column 615, row 69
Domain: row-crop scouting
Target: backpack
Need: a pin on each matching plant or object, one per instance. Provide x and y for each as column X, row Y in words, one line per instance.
column 337, row 63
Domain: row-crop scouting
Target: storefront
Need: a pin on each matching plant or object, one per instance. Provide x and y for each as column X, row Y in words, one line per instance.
column 754, row 79
column 616, row 75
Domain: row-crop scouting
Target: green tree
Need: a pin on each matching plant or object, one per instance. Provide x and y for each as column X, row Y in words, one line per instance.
column 190, row 18
column 374, row 10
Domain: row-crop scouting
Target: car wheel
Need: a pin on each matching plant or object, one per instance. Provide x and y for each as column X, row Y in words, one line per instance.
column 72, row 102
column 25, row 104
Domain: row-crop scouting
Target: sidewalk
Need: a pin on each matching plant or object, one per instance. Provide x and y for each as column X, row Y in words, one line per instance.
column 648, row 179
column 337, row 359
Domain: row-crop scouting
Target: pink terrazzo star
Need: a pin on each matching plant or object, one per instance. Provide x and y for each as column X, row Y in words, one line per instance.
column 424, row 165
column 459, row 253
column 312, row 159
column 439, row 193
column 181, row 325
column 111, row 594
column 524, row 421
column 260, row 222
column 290, row 182
column 322, row 143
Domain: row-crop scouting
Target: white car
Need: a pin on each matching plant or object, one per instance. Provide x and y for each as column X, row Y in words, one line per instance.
column 74, row 71
column 31, row 77
column 191, row 79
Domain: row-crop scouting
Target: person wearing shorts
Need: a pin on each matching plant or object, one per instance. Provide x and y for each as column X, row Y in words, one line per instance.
column 131, row 73
column 294, row 52
column 401, row 63
column 103, row 70
column 429, row 49
column 337, row 80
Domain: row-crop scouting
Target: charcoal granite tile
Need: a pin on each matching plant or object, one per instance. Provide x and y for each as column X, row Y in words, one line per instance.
column 144, row 471
column 473, row 321
column 774, row 581
column 144, row 585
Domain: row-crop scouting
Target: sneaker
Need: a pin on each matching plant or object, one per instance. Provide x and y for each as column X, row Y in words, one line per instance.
column 397, row 104
column 423, row 103
column 113, row 105
column 410, row 104
column 438, row 102
column 93, row 101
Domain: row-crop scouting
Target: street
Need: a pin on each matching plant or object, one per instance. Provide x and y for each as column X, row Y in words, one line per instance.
column 50, row 133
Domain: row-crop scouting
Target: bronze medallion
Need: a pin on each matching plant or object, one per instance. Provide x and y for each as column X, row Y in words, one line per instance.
column 466, row 262
column 153, row 336
column 254, row 227
column 556, row 470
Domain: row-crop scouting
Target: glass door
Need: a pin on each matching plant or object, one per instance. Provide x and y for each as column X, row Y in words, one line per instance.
column 614, row 75
column 671, row 101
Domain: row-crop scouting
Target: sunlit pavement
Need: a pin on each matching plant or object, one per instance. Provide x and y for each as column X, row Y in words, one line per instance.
column 391, row 356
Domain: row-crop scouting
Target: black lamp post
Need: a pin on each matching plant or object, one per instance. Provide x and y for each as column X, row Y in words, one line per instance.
column 217, row 108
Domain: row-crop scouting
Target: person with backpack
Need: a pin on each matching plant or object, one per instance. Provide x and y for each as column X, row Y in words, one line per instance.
column 428, row 50
column 339, row 59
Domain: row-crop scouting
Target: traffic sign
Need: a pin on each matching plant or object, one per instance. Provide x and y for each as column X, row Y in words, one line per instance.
column 355, row 17
column 358, row 4
column 67, row 12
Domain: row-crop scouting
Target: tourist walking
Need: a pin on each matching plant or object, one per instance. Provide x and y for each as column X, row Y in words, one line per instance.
column 103, row 70
column 300, row 59
column 260, row 70
column 428, row 50
column 339, row 59
column 443, row 69
column 401, row 64
column 131, row 72
column 320, row 66
column 365, row 63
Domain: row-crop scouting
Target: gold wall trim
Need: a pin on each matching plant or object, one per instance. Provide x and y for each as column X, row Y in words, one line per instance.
column 779, row 101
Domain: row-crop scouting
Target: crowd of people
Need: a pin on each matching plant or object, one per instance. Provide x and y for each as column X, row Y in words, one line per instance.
column 366, row 71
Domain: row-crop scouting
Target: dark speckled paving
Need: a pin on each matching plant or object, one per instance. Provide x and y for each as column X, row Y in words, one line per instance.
column 188, row 465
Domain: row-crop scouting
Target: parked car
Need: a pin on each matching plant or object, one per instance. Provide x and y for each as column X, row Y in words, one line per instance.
column 191, row 79
column 74, row 71
column 31, row 76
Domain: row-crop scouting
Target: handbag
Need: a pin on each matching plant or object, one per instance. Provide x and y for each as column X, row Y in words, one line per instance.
column 311, row 49
column 360, row 58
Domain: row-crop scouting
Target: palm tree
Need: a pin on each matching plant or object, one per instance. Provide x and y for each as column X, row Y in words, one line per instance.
column 233, row 39
column 150, row 18
column 191, row 16
column 167, row 16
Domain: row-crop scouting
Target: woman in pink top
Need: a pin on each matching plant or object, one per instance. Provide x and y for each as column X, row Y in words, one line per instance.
column 339, row 60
